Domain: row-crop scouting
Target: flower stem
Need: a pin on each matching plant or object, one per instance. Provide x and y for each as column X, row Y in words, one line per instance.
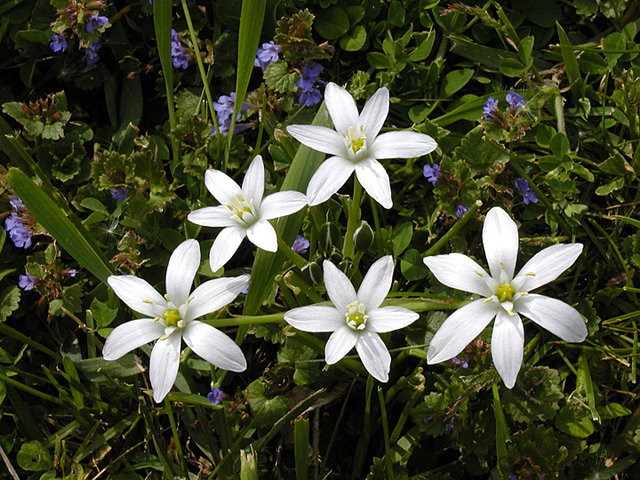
column 288, row 252
column 354, row 216
column 174, row 432
column 453, row 231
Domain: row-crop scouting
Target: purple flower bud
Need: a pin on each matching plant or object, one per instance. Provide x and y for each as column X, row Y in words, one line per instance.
column 16, row 203
column 312, row 70
column 179, row 58
column 489, row 107
column 91, row 56
column 309, row 98
column 27, row 282
column 300, row 245
column 514, row 100
column 18, row 233
column 215, row 395
column 461, row 210
column 432, row 173
column 267, row 53
column 58, row 43
column 119, row 193
column 96, row 21
column 448, row 428
column 461, row 363
column 72, row 272
column 528, row 196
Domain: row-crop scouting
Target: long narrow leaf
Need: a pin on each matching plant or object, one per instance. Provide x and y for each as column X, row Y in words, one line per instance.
column 58, row 224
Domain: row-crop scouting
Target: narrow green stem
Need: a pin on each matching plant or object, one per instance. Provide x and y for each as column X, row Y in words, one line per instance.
column 7, row 330
column 352, row 221
column 453, row 231
column 174, row 432
column 36, row 393
column 559, row 112
column 385, row 431
column 288, row 252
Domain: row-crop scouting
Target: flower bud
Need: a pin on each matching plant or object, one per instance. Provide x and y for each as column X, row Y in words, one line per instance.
column 363, row 237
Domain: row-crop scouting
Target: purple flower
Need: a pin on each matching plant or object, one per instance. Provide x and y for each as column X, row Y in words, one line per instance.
column 18, row 233
column 311, row 69
column 461, row 363
column 224, row 108
column 461, row 210
column 489, row 107
column 95, row 21
column 119, row 193
column 432, row 173
column 514, row 100
column 309, row 98
column 266, row 54
column 27, row 282
column 58, row 43
column 528, row 196
column 448, row 428
column 72, row 272
column 91, row 56
column 300, row 245
column 245, row 290
column 16, row 203
column 513, row 477
column 215, row 395
column 179, row 58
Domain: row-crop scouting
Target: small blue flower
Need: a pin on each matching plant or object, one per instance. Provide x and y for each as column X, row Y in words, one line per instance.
column 27, row 282
column 91, row 56
column 267, row 53
column 461, row 210
column 528, row 196
column 312, row 69
column 514, row 100
column 224, row 106
column 309, row 98
column 448, row 428
column 215, row 395
column 461, row 363
column 72, row 272
column 18, row 233
column 432, row 173
column 489, row 107
column 58, row 43
column 16, row 203
column 119, row 193
column 96, row 21
column 300, row 245
column 179, row 58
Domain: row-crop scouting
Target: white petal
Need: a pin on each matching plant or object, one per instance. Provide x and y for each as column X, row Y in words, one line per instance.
column 281, row 204
column 375, row 113
column 459, row 329
column 339, row 344
column 214, row 346
column 224, row 246
column 507, row 343
column 263, row 235
column 500, row 240
column 342, row 108
column 546, row 266
column 219, row 216
column 164, row 364
column 328, row 179
column 376, row 283
column 387, row 319
column 458, row 271
column 554, row 315
column 315, row 318
column 214, row 294
column 319, row 138
column 375, row 181
column 138, row 294
column 221, row 186
column 339, row 287
column 129, row 336
column 181, row 270
column 374, row 355
column 402, row 144
column 253, row 183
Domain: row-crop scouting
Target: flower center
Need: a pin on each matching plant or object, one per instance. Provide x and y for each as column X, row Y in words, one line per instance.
column 172, row 318
column 356, row 141
column 505, row 292
column 242, row 211
column 355, row 316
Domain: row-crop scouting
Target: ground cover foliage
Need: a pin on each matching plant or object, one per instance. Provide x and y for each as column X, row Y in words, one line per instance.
column 112, row 113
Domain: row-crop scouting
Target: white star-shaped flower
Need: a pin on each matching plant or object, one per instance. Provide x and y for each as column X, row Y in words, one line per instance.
column 356, row 319
column 172, row 318
column 243, row 212
column 356, row 145
column 505, row 297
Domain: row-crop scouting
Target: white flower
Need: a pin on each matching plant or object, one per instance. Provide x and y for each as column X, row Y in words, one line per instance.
column 505, row 297
column 172, row 317
column 243, row 212
column 356, row 145
column 355, row 319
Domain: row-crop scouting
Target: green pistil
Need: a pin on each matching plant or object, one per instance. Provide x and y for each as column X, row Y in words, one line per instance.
column 357, row 144
column 172, row 318
column 355, row 316
column 505, row 292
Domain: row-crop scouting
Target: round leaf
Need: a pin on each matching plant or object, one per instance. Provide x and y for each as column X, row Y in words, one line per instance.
column 354, row 39
column 332, row 23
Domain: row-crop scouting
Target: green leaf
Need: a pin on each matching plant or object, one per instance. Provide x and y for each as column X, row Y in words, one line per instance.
column 58, row 224
column 267, row 410
column 354, row 39
column 9, row 301
column 574, row 421
column 568, row 55
column 454, row 81
column 616, row 184
column 278, row 77
column 412, row 266
column 332, row 23
column 33, row 457
column 512, row 67
column 97, row 369
column 396, row 14
column 559, row 144
column 612, row 45
column 613, row 410
column 402, row 235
